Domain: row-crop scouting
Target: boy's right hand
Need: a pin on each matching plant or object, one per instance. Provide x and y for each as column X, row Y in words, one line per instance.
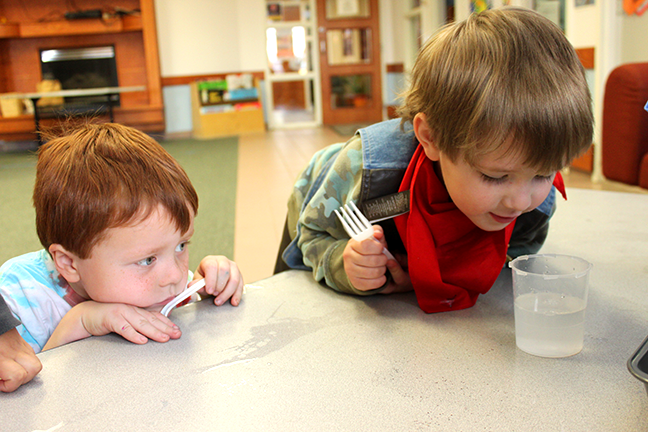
column 134, row 324
column 366, row 265
column 92, row 318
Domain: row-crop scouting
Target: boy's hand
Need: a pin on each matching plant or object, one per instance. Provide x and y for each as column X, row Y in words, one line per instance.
column 223, row 279
column 18, row 363
column 400, row 276
column 96, row 319
column 134, row 324
column 366, row 265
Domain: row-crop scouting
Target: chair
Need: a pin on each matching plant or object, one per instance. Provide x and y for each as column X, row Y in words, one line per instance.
column 625, row 125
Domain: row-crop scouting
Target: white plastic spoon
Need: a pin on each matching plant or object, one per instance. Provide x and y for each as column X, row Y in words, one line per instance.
column 183, row 296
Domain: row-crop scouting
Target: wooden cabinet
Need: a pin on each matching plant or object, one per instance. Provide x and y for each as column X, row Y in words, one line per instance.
column 26, row 29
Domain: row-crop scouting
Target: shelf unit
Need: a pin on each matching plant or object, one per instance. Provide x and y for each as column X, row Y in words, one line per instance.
column 207, row 125
column 41, row 26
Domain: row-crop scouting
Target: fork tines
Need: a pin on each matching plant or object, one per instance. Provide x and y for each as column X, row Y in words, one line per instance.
column 352, row 219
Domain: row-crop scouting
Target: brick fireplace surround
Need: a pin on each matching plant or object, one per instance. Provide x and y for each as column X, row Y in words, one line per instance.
column 25, row 31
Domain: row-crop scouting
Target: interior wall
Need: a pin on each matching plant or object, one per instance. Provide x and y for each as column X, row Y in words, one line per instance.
column 199, row 37
column 214, row 36
column 585, row 26
column 202, row 37
column 251, row 34
column 634, row 36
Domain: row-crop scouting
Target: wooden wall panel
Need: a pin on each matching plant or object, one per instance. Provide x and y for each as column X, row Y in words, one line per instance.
column 51, row 10
column 3, row 66
column 586, row 56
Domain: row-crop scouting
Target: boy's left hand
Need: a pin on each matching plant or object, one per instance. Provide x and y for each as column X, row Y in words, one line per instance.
column 223, row 280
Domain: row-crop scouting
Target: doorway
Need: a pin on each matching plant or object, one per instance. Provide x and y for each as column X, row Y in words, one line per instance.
column 292, row 88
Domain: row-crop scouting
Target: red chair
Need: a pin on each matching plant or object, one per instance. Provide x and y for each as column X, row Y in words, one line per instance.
column 625, row 125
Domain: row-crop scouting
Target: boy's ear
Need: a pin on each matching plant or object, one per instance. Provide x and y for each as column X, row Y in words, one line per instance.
column 65, row 262
column 425, row 136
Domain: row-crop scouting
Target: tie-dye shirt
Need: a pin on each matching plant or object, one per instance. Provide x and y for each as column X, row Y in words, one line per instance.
column 37, row 295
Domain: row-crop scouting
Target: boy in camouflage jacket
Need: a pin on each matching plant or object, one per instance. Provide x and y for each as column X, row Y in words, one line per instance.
column 497, row 105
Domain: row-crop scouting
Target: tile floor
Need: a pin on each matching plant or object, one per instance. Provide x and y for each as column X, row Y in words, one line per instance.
column 269, row 163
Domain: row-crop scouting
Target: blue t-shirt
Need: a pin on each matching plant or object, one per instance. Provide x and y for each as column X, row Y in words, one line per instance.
column 36, row 294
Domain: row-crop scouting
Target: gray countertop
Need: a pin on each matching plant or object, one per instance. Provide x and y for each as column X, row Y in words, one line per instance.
column 297, row 356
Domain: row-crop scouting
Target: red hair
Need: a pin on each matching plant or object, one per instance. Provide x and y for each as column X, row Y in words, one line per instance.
column 102, row 176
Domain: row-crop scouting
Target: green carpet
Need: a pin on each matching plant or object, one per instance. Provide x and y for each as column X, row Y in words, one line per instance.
column 17, row 229
column 211, row 166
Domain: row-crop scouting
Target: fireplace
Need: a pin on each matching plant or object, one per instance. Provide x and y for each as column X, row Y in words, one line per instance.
column 81, row 68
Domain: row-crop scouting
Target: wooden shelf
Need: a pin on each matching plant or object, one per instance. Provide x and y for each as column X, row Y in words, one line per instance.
column 228, row 123
column 145, row 118
column 231, row 102
column 71, row 27
column 9, row 30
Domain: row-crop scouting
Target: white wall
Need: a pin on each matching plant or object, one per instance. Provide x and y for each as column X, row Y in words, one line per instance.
column 634, row 39
column 199, row 37
column 251, row 36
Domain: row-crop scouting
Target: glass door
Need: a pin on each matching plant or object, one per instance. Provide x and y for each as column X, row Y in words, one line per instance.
column 414, row 32
column 349, row 46
column 292, row 73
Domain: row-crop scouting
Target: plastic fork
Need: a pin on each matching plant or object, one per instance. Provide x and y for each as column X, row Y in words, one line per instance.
column 188, row 292
column 357, row 225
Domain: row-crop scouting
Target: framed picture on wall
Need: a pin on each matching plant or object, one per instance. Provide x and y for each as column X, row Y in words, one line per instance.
column 274, row 11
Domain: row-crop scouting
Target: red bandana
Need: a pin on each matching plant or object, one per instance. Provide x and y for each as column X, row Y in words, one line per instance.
column 451, row 261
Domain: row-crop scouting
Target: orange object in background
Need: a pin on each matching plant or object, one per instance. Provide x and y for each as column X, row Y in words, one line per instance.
column 635, row 6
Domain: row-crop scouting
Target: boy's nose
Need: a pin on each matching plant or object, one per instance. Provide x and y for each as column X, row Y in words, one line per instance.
column 518, row 199
column 175, row 274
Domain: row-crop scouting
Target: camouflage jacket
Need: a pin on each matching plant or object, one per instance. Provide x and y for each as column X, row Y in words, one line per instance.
column 370, row 165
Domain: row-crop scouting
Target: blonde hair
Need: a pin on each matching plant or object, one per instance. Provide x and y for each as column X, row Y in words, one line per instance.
column 504, row 77
column 102, row 176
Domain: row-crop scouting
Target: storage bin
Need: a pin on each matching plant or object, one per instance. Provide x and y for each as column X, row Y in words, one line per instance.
column 11, row 107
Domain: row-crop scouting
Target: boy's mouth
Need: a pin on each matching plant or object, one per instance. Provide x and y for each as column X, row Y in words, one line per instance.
column 503, row 219
column 158, row 306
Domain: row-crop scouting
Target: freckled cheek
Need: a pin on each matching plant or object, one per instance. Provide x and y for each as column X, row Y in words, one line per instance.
column 140, row 291
column 184, row 264
column 150, row 286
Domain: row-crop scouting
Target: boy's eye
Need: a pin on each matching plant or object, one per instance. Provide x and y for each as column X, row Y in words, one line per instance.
column 495, row 180
column 146, row 261
column 182, row 246
column 545, row 178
